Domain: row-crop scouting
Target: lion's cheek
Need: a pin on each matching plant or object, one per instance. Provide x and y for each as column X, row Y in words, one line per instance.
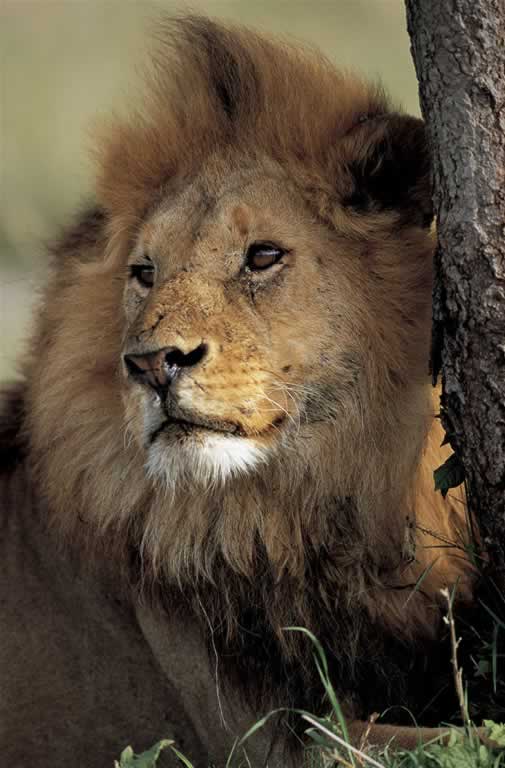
column 245, row 398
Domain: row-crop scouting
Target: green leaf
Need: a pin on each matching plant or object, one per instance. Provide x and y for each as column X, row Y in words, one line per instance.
column 449, row 475
column 183, row 760
column 496, row 732
column 259, row 724
column 147, row 759
column 483, row 668
column 322, row 668
column 420, row 580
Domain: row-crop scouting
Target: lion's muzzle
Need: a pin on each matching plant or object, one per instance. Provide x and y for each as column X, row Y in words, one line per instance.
column 158, row 371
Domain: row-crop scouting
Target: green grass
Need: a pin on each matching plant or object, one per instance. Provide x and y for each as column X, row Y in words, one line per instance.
column 327, row 740
column 327, row 748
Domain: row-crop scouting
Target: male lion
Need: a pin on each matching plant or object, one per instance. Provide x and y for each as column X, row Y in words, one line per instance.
column 225, row 420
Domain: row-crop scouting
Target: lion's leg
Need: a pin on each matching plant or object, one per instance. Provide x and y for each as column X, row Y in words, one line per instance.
column 401, row 737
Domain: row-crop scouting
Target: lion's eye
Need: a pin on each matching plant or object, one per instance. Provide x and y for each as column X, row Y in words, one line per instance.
column 143, row 273
column 263, row 255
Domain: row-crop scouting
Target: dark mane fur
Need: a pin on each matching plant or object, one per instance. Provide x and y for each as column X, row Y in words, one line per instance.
column 81, row 236
column 13, row 446
column 273, row 666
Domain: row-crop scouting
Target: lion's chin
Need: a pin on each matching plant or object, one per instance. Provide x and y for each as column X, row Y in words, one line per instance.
column 202, row 457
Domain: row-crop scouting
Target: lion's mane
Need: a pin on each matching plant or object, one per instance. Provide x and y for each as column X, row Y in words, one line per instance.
column 325, row 536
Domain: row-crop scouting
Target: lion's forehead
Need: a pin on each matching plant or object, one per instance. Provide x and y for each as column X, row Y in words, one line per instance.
column 216, row 214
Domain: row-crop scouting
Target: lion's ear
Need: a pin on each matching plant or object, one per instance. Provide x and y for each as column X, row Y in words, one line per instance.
column 389, row 168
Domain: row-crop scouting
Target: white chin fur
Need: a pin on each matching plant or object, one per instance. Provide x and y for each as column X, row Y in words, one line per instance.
column 206, row 462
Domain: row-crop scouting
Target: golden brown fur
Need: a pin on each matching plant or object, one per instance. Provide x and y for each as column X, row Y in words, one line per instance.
column 321, row 369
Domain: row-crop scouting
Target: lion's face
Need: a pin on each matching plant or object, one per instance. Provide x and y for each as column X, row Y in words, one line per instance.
column 238, row 325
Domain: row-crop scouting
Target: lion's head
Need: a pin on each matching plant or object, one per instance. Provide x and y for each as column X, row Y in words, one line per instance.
column 250, row 328
column 230, row 374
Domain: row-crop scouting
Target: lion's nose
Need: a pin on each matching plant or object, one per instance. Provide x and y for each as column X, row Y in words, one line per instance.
column 159, row 369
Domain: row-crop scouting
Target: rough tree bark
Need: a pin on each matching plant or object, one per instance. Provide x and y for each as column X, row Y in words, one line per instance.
column 458, row 48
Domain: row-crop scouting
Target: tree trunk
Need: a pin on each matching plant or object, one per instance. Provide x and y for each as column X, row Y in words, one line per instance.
column 458, row 48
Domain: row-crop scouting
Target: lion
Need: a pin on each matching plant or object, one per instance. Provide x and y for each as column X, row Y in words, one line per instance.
column 225, row 427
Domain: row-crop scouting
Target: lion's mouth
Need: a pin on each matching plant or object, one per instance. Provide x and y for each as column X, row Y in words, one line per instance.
column 190, row 425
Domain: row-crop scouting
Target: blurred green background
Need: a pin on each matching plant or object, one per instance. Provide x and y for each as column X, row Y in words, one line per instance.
column 64, row 61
